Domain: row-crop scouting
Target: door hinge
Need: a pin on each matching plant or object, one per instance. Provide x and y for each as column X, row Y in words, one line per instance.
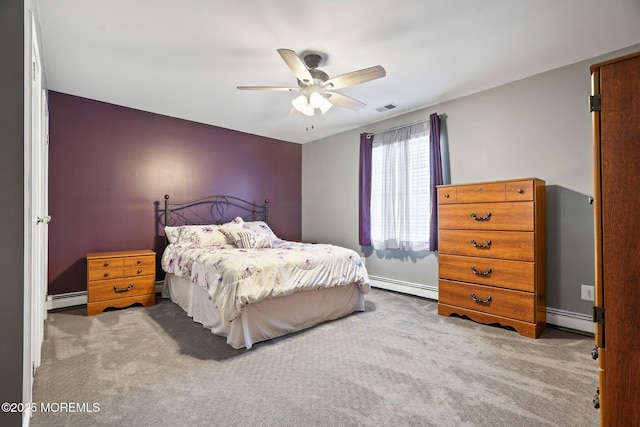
column 594, row 103
column 597, row 315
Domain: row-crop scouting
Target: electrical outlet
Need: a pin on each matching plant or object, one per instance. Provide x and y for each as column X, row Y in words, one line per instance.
column 586, row 292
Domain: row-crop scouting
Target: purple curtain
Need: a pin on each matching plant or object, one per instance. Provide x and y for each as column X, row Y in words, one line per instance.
column 436, row 176
column 366, row 142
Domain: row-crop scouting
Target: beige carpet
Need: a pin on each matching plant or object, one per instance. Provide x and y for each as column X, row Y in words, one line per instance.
column 397, row 364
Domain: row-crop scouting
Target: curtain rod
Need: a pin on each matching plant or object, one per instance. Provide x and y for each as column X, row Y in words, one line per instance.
column 369, row 135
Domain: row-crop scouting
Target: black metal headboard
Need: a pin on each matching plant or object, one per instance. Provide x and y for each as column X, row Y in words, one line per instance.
column 211, row 210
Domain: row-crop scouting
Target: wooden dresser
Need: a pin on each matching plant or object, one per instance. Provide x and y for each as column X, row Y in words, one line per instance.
column 616, row 123
column 119, row 279
column 491, row 262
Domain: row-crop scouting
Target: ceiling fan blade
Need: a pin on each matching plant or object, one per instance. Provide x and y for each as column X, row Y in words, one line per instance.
column 271, row 88
column 296, row 65
column 355, row 77
column 345, row 101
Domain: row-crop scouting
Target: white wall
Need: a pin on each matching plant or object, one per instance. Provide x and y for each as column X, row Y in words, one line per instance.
column 535, row 127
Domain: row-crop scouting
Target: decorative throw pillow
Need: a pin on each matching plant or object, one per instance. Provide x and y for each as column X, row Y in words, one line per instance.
column 245, row 237
column 261, row 226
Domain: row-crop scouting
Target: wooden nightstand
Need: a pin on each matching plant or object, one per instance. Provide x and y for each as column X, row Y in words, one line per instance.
column 119, row 279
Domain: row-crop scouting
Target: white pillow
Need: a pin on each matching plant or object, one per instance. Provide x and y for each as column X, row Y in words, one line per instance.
column 261, row 226
column 203, row 235
column 244, row 236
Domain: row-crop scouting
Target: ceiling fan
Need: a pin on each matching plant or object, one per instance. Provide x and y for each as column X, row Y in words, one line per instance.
column 317, row 89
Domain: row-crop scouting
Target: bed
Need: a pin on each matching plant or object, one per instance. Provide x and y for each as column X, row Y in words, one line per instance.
column 229, row 271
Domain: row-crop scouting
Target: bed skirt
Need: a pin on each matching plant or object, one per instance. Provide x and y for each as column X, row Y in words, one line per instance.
column 267, row 319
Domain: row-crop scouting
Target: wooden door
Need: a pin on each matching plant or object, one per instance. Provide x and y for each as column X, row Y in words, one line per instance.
column 618, row 246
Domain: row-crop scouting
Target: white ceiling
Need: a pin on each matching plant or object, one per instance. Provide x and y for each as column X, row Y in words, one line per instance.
column 184, row 58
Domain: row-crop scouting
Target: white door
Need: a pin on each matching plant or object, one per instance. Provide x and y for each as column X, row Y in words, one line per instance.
column 36, row 213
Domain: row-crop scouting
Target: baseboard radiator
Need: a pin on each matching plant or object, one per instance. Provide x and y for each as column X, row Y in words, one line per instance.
column 73, row 299
column 556, row 317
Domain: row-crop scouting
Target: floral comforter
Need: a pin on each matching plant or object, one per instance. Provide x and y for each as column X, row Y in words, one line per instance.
column 235, row 277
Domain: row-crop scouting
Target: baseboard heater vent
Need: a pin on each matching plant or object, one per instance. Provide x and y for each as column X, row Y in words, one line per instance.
column 410, row 288
column 71, row 299
column 561, row 318
column 66, row 300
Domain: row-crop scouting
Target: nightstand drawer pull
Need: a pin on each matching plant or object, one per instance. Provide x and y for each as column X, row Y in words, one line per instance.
column 487, row 300
column 480, row 218
column 139, row 270
column 106, row 264
column 481, row 245
column 127, row 289
column 481, row 273
column 106, row 274
column 139, row 261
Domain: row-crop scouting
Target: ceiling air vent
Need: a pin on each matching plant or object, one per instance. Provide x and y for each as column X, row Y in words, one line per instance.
column 386, row 108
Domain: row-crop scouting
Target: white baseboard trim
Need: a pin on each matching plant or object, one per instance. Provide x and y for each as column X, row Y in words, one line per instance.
column 72, row 299
column 557, row 317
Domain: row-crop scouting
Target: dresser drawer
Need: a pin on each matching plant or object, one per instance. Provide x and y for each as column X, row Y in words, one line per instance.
column 518, row 275
column 120, row 288
column 447, row 195
column 520, row 190
column 104, row 268
column 518, row 216
column 496, row 301
column 487, row 192
column 515, row 245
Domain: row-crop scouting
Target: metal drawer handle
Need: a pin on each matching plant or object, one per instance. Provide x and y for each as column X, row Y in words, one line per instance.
column 487, row 300
column 139, row 261
column 481, row 273
column 446, row 195
column 480, row 218
column 520, row 191
column 139, row 270
column 481, row 245
column 106, row 274
column 106, row 264
column 127, row 289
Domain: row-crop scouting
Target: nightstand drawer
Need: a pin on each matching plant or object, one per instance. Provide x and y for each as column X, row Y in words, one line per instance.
column 104, row 268
column 120, row 288
column 144, row 260
column 142, row 270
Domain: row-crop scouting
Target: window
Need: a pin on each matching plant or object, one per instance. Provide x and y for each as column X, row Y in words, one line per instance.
column 406, row 210
column 400, row 189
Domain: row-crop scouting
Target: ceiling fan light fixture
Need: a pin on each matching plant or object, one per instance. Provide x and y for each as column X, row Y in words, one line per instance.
column 315, row 99
column 308, row 110
column 300, row 103
column 326, row 105
column 316, row 85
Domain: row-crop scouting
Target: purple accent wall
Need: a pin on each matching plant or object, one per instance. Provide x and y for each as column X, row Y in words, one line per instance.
column 108, row 165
